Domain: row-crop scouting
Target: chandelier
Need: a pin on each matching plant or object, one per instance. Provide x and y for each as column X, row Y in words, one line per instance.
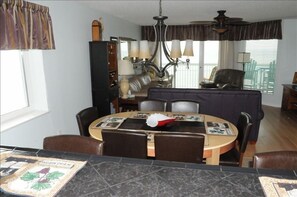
column 144, row 57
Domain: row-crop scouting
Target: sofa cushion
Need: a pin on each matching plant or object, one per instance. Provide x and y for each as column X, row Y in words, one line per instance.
column 145, row 79
column 139, row 84
column 135, row 85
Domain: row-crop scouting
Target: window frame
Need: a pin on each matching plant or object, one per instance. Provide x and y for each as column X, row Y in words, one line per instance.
column 202, row 67
column 270, row 89
column 36, row 91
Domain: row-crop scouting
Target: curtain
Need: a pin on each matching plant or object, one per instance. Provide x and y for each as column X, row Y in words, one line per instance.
column 182, row 32
column 25, row 25
column 226, row 55
column 254, row 31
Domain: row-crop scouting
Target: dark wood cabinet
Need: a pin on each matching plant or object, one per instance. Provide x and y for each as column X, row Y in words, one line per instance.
column 130, row 104
column 104, row 76
column 289, row 100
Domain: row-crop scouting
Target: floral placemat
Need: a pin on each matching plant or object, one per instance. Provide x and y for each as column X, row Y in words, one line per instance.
column 36, row 176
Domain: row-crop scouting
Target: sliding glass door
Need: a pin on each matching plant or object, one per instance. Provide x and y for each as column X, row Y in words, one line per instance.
column 260, row 72
column 200, row 66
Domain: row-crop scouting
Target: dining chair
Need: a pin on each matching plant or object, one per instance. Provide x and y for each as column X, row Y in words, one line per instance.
column 73, row 143
column 84, row 118
column 152, row 105
column 184, row 106
column 124, row 144
column 180, row 147
column 276, row 160
column 234, row 157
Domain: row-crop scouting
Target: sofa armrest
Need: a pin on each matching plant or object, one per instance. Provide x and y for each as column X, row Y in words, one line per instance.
column 208, row 85
column 227, row 86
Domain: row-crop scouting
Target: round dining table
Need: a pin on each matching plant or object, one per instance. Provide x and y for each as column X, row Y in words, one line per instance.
column 214, row 146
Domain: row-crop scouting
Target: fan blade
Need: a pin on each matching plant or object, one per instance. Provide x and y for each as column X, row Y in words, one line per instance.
column 221, row 22
column 232, row 19
column 202, row 22
column 239, row 23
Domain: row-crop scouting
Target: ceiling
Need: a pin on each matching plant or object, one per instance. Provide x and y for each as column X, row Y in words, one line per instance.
column 179, row 12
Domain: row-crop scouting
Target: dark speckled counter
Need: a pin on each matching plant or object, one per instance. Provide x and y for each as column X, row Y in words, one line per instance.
column 115, row 176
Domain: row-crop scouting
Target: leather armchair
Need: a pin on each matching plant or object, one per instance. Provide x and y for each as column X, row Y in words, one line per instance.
column 226, row 79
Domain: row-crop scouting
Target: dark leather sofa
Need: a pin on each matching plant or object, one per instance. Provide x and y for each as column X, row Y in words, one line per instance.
column 139, row 84
column 226, row 104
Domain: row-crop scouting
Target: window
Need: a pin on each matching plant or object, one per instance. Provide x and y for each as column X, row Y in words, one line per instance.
column 13, row 83
column 260, row 72
column 188, row 76
column 185, row 76
column 211, row 57
column 23, row 92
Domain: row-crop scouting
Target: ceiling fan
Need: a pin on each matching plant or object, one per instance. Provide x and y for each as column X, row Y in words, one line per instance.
column 221, row 22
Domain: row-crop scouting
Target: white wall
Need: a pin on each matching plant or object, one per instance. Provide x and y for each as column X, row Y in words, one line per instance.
column 67, row 71
column 286, row 62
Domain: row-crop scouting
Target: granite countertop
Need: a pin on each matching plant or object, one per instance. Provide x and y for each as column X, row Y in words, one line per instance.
column 116, row 176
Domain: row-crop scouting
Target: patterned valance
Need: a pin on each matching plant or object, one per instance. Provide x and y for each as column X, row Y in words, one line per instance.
column 25, row 25
column 254, row 31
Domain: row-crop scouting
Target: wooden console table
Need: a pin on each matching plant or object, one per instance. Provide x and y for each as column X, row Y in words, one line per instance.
column 130, row 104
column 289, row 101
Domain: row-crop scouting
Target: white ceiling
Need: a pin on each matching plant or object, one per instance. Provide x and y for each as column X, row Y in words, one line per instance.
column 141, row 12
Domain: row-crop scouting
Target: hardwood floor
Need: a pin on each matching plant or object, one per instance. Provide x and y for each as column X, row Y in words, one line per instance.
column 278, row 131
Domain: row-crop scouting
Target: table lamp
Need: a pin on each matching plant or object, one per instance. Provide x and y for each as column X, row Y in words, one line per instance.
column 243, row 58
column 125, row 68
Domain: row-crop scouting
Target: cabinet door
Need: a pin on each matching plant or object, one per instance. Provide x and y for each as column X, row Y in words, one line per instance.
column 104, row 76
column 112, row 56
column 99, row 66
column 102, row 102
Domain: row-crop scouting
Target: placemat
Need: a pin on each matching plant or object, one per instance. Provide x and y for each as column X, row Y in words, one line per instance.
column 36, row 176
column 176, row 126
column 278, row 187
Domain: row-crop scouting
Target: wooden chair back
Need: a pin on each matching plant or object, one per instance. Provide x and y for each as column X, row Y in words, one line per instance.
column 286, row 160
column 124, row 144
column 84, row 118
column 73, row 143
column 151, row 105
column 179, row 147
column 184, row 106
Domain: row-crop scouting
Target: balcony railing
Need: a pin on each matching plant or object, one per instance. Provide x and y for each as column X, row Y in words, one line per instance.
column 189, row 77
column 260, row 77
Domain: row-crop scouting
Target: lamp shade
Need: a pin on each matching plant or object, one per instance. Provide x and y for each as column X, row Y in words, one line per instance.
column 134, row 49
column 144, row 50
column 243, row 57
column 189, row 48
column 175, row 49
column 125, row 67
